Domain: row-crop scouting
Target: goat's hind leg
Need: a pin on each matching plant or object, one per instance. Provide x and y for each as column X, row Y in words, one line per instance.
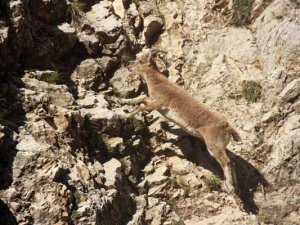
column 228, row 169
column 219, row 153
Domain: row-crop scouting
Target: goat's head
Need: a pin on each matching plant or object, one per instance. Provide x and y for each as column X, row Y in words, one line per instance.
column 145, row 58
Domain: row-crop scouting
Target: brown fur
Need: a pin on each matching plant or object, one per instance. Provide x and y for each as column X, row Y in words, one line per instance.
column 192, row 116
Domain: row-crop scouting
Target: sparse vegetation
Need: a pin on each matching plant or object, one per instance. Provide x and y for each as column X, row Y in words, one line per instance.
column 138, row 125
column 76, row 195
column 123, row 164
column 126, row 57
column 50, row 77
column 96, row 140
column 179, row 182
column 176, row 222
column 296, row 2
column 137, row 2
column 75, row 8
column 251, row 91
column 213, row 183
column 162, row 16
column 75, row 215
column 241, row 12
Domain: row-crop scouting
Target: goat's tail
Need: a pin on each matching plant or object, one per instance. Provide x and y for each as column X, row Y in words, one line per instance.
column 235, row 134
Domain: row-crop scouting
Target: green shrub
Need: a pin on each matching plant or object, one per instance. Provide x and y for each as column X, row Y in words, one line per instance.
column 126, row 57
column 50, row 77
column 137, row 2
column 75, row 215
column 75, row 8
column 180, row 183
column 175, row 222
column 251, row 91
column 213, row 183
column 123, row 164
column 76, row 195
column 138, row 125
column 241, row 12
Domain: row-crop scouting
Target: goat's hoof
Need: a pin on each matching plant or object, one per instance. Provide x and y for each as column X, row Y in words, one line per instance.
column 231, row 189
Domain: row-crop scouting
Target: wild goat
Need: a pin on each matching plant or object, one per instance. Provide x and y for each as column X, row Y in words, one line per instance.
column 193, row 117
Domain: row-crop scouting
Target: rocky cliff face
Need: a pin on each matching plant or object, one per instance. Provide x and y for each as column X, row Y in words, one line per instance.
column 69, row 154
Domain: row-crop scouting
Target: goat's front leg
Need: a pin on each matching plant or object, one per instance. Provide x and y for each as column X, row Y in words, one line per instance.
column 133, row 101
column 148, row 105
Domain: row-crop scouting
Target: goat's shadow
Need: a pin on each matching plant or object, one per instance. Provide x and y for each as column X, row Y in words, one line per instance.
column 248, row 177
column 6, row 216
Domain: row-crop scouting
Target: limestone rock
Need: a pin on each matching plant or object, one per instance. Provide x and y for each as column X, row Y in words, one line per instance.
column 158, row 177
column 69, row 155
column 91, row 73
column 98, row 27
column 58, row 94
column 119, row 8
column 112, row 172
column 287, row 26
column 4, row 48
column 125, row 84
column 147, row 7
column 285, row 152
column 228, row 216
column 18, row 23
column 43, row 75
column 290, row 92
column 156, row 213
column 58, row 195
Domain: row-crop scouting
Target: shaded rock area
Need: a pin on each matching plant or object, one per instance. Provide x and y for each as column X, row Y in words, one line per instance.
column 70, row 155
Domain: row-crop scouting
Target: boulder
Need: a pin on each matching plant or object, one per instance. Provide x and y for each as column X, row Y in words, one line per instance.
column 125, row 84
column 58, row 94
column 98, row 27
column 291, row 92
column 152, row 28
column 92, row 73
column 119, row 8
column 112, row 172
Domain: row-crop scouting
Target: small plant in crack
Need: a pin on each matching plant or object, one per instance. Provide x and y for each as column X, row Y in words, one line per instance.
column 76, row 195
column 241, row 12
column 213, row 183
column 127, row 57
column 137, row 2
column 176, row 222
column 50, row 78
column 182, row 184
column 75, row 9
column 75, row 215
column 123, row 164
column 251, row 91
